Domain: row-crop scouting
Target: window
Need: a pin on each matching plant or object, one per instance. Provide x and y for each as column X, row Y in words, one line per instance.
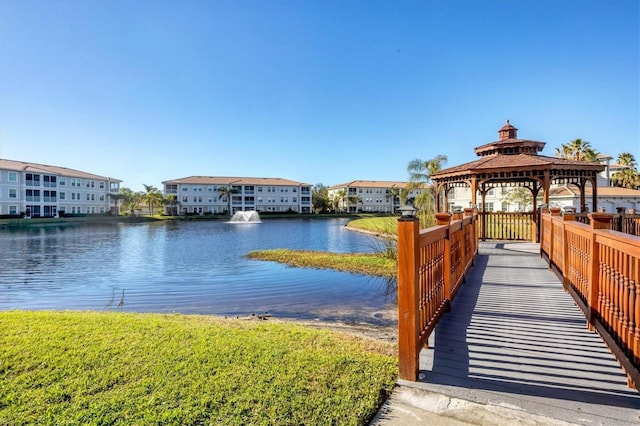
column 13, row 209
column 63, row 195
column 13, row 193
column 102, row 198
column 88, row 197
column 62, row 181
column 185, row 199
column 101, row 187
column 13, row 177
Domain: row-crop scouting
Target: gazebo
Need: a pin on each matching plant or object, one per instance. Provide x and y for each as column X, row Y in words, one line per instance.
column 513, row 162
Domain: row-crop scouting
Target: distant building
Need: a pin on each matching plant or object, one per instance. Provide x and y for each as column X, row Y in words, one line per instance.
column 610, row 198
column 38, row 190
column 369, row 196
column 205, row 194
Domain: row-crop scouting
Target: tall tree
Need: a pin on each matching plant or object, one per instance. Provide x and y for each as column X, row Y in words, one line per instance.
column 171, row 202
column 152, row 196
column 227, row 191
column 320, row 198
column 578, row 150
column 338, row 201
column 628, row 177
column 130, row 200
column 420, row 173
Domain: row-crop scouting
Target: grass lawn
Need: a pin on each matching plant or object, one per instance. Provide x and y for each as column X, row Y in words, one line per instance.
column 59, row 368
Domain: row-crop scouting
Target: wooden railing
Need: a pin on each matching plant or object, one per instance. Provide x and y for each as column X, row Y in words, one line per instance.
column 623, row 222
column 431, row 267
column 507, row 226
column 600, row 268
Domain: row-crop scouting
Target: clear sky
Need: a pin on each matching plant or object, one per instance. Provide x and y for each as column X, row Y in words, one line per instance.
column 318, row 91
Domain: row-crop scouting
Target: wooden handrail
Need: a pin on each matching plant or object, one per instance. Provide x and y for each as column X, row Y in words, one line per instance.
column 600, row 268
column 432, row 264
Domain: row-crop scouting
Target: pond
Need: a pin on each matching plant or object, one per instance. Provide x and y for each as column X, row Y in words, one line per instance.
column 193, row 267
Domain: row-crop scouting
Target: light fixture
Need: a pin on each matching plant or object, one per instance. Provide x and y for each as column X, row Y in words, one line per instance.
column 407, row 211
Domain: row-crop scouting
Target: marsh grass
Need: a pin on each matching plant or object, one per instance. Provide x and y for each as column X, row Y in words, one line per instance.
column 60, row 368
column 361, row 263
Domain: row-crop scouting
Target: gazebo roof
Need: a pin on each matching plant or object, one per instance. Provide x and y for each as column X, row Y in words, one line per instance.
column 512, row 161
column 510, row 154
column 515, row 162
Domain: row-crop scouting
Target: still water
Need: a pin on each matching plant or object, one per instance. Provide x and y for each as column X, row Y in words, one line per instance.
column 196, row 267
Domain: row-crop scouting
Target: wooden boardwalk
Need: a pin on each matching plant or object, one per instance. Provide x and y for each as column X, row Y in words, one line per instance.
column 514, row 338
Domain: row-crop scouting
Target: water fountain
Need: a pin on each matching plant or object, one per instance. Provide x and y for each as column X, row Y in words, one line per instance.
column 245, row 217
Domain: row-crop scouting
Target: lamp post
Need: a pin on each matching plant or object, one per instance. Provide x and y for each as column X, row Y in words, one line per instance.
column 407, row 213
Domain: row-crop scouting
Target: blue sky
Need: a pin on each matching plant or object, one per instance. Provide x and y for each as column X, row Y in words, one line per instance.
column 317, row 91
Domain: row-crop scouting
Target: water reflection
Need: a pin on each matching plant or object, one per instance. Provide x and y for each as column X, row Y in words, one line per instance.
column 189, row 267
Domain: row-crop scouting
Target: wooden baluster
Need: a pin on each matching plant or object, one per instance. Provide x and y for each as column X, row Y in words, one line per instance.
column 445, row 219
column 626, row 314
column 636, row 309
column 617, row 318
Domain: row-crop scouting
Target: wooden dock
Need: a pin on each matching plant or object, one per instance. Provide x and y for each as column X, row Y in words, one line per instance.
column 514, row 338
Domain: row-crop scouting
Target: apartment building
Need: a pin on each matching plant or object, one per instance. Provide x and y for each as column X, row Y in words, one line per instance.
column 208, row 195
column 39, row 190
column 370, row 196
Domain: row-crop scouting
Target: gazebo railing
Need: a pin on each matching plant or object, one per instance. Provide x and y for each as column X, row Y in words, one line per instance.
column 507, row 226
column 432, row 264
column 600, row 268
column 629, row 223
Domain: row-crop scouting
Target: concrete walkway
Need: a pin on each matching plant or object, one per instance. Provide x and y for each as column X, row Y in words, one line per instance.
column 514, row 350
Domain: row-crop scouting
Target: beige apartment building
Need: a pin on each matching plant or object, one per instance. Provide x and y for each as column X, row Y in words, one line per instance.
column 39, row 190
column 370, row 196
column 207, row 195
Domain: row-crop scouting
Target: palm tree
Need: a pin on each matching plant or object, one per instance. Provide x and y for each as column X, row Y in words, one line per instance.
column 152, row 196
column 578, row 150
column 130, row 200
column 171, row 201
column 627, row 159
column 628, row 177
column 420, row 173
column 393, row 194
column 338, row 200
column 227, row 191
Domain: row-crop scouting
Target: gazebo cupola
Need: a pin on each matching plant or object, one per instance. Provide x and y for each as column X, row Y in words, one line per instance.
column 509, row 144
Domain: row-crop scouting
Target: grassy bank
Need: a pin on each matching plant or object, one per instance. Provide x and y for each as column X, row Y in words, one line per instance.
column 115, row 368
column 387, row 225
column 361, row 263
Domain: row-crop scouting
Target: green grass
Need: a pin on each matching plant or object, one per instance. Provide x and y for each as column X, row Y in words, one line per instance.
column 361, row 263
column 69, row 368
column 387, row 225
